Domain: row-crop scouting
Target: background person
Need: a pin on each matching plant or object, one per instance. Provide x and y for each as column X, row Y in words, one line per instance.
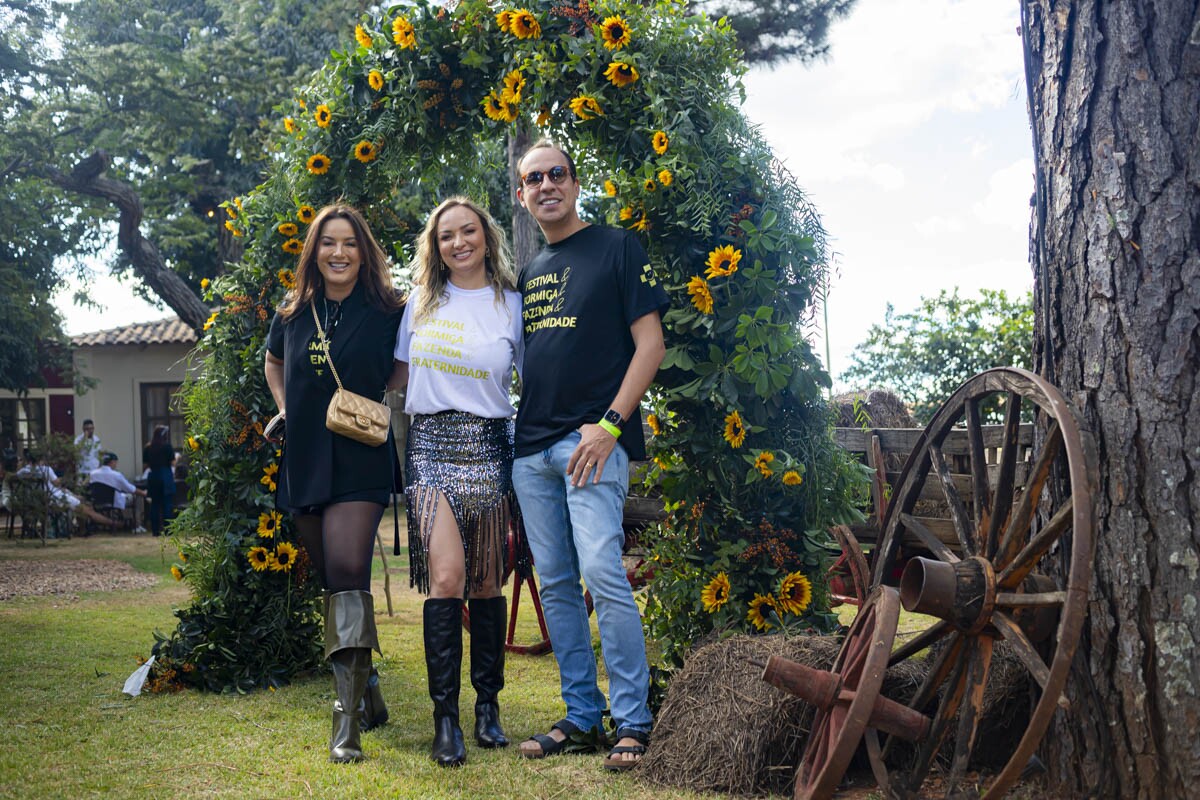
column 457, row 347
column 55, row 493
column 335, row 487
column 109, row 474
column 159, row 458
column 88, row 446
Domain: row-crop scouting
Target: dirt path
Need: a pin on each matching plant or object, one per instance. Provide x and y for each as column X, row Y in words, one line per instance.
column 25, row 577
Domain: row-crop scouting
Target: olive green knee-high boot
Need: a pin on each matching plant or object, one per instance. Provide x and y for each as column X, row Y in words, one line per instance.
column 373, row 711
column 349, row 638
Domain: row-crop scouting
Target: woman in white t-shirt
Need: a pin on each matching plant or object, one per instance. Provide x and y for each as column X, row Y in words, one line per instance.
column 459, row 343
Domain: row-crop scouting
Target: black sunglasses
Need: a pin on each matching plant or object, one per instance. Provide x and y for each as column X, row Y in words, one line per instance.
column 535, row 177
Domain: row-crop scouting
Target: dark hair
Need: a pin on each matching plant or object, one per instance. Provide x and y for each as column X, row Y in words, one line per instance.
column 377, row 281
column 108, row 458
column 162, row 435
column 547, row 144
column 88, row 422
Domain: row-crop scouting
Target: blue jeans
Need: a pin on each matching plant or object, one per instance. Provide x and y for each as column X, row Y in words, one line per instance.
column 574, row 533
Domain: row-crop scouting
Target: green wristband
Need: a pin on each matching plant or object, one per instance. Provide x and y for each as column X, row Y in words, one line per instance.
column 608, row 426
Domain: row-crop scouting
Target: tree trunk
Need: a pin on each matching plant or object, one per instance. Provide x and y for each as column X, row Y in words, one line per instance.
column 1114, row 94
column 88, row 178
column 527, row 237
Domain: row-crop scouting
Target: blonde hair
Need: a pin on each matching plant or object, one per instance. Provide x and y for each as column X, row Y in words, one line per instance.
column 373, row 273
column 431, row 275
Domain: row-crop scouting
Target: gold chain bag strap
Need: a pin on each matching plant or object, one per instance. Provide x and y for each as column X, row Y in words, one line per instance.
column 352, row 415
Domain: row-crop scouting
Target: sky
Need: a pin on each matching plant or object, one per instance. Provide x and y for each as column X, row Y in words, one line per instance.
column 912, row 140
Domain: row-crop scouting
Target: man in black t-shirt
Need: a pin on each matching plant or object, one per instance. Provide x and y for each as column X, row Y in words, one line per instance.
column 593, row 343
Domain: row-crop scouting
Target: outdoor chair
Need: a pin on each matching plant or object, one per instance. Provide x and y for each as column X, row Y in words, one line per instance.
column 103, row 499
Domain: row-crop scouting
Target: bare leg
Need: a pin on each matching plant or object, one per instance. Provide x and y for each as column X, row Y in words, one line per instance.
column 447, row 558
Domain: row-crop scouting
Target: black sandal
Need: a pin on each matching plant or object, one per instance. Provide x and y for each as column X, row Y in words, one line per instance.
column 613, row 761
column 576, row 741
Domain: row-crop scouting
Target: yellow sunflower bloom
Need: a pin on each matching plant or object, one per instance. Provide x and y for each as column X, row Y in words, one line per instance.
column 293, row 247
column 323, row 116
column 701, row 296
column 610, row 188
column 268, row 478
column 306, row 214
column 183, row 556
column 365, row 151
column 763, row 463
column 652, row 421
column 626, row 213
column 211, row 320
column 403, row 33
column 795, row 593
column 715, row 593
column 375, row 79
column 300, row 102
column 524, row 25
column 287, row 279
column 232, row 211
column 229, row 226
column 543, row 117
column 318, row 163
column 504, row 21
column 514, row 86
column 260, row 558
column 288, row 228
column 643, row 224
column 722, row 261
column 614, row 33
column 193, row 443
column 735, row 429
column 660, row 142
column 268, row 523
column 176, row 573
column 586, row 107
column 756, row 615
column 289, row 124
column 649, row 184
column 362, row 37
column 792, row 478
column 284, row 557
column 665, row 177
column 621, row 74
column 495, row 108
column 204, row 284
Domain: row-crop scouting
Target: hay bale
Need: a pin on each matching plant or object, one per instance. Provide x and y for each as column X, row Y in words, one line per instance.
column 723, row 729
column 882, row 407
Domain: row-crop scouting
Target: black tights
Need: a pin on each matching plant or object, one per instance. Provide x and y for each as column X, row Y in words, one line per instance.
column 339, row 542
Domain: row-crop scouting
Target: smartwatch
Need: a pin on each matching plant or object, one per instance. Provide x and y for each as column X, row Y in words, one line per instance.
column 612, row 421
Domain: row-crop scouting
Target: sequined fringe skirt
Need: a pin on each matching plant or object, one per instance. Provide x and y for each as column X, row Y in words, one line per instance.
column 469, row 460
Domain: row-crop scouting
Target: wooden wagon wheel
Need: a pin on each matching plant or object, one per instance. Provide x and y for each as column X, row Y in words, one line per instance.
column 1001, row 586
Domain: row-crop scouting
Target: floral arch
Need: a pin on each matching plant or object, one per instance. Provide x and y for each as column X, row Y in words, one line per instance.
column 646, row 96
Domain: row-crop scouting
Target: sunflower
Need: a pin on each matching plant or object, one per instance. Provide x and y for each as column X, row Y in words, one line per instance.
column 763, row 463
column 375, row 79
column 524, row 25
column 504, row 20
column 283, row 557
column 365, row 151
column 543, row 117
column 621, row 74
column 268, row 478
column 495, row 108
column 610, row 188
column 300, row 102
column 792, row 478
column 715, row 593
column 183, row 556
column 232, row 211
column 260, row 558
column 795, row 593
column 318, row 163
column 287, row 279
column 614, row 33
column 292, row 247
column 176, row 572
column 204, row 284
column 660, row 142
column 586, row 107
column 212, row 320
column 626, row 213
column 288, row 228
column 362, row 37
column 722, row 261
column 735, row 429
column 661, row 464
column 403, row 33
column 649, row 184
column 306, row 214
column 193, row 443
column 323, row 116
column 289, row 124
column 514, row 86
column 643, row 224
column 268, row 523
column 755, row 615
column 652, row 421
column 665, row 177
column 702, row 298
column 229, row 226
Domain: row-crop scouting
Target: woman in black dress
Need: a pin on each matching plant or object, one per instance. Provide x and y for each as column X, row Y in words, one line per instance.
column 335, row 487
column 159, row 458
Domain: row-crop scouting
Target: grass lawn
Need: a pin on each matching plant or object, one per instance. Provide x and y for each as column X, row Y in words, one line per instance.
column 69, row 732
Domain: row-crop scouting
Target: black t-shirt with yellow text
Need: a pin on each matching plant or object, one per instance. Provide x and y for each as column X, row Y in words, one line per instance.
column 580, row 297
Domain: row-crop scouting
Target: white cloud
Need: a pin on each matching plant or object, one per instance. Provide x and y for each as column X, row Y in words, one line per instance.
column 118, row 305
column 935, row 226
column 1007, row 200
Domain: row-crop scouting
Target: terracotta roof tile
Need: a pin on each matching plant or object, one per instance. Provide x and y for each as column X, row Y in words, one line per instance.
column 171, row 330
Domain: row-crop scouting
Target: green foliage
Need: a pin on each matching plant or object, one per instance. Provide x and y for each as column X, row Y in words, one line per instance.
column 772, row 31
column 389, row 117
column 925, row 354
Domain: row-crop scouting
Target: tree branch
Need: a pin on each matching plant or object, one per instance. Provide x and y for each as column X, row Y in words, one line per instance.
column 88, row 178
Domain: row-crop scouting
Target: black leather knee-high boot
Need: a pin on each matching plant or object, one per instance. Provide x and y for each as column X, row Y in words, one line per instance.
column 349, row 638
column 488, row 617
column 443, row 661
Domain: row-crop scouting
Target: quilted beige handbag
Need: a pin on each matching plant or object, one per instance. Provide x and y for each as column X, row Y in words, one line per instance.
column 352, row 415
